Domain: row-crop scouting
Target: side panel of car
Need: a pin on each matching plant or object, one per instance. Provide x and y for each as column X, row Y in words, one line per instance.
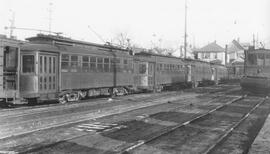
column 9, row 70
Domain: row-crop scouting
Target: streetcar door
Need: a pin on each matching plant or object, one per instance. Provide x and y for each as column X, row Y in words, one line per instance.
column 28, row 77
column 143, row 74
column 151, row 74
column 48, row 76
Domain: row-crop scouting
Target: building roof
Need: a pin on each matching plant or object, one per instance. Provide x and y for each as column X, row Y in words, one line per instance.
column 238, row 61
column 235, row 46
column 212, row 47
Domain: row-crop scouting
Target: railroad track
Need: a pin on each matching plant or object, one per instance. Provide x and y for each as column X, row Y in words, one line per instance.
column 166, row 131
column 187, row 104
column 155, row 138
column 58, row 120
column 140, row 96
column 52, row 108
column 80, row 103
column 146, row 105
column 85, row 119
column 61, row 111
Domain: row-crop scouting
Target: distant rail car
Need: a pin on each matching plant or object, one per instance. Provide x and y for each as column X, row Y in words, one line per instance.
column 9, row 70
column 256, row 70
column 48, row 67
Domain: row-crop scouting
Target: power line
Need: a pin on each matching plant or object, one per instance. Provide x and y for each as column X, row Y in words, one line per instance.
column 32, row 29
column 99, row 36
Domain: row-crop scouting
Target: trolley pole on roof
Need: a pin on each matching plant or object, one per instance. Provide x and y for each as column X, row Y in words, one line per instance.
column 185, row 37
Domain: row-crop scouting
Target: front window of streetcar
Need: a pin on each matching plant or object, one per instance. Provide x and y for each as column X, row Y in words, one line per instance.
column 28, row 63
column 142, row 68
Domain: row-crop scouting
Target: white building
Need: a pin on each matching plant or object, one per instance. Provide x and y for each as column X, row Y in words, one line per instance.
column 235, row 52
column 211, row 53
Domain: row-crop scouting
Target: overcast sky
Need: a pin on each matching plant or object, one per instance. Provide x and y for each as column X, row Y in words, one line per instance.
column 145, row 21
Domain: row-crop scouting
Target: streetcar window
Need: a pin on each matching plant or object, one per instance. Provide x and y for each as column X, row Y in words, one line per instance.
column 130, row 66
column 85, row 66
column 125, row 61
column 100, row 60
column 252, row 59
column 53, row 82
column 260, row 60
column 54, row 64
column 50, row 81
column 106, row 64
column 100, row 64
column 112, row 64
column 142, row 68
column 50, row 64
column 85, row 63
column 45, row 64
column 117, row 60
column 160, row 67
column 45, row 83
column 40, row 83
column 74, row 58
column 65, row 57
column 85, row 59
column 171, row 66
column 93, row 59
column 10, row 60
column 106, row 60
column 150, row 69
column 64, row 66
column 40, row 64
column 74, row 63
column 118, row 64
column 267, row 60
column 65, row 62
column 28, row 62
column 93, row 63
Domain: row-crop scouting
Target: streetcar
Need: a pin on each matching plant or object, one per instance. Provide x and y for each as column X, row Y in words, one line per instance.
column 256, row 70
column 52, row 67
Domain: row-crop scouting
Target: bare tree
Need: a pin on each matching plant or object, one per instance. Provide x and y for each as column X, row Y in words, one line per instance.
column 122, row 40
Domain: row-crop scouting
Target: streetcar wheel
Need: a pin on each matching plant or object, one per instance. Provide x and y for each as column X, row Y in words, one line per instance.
column 62, row 99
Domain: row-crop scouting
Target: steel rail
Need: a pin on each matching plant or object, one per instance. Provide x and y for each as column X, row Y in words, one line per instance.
column 95, row 115
column 51, row 108
column 77, row 136
column 211, row 148
column 167, row 131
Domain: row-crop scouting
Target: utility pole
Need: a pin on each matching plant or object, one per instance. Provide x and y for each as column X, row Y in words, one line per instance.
column 226, row 54
column 50, row 17
column 253, row 41
column 185, row 37
column 12, row 23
